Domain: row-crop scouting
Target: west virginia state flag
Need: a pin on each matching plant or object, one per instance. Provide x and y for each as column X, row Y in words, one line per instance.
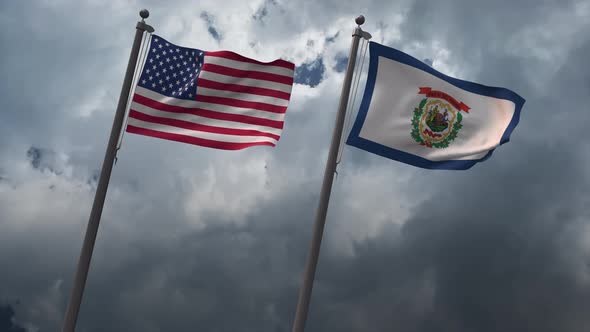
column 414, row 114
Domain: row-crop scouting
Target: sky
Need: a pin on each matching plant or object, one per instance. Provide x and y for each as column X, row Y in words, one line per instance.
column 210, row 240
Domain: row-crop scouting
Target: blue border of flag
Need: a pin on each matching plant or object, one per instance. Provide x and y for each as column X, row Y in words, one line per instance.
column 377, row 50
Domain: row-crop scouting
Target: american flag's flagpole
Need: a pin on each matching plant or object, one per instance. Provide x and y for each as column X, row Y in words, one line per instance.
column 103, row 182
column 322, row 210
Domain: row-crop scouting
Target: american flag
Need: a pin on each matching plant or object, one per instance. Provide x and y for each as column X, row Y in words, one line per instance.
column 218, row 99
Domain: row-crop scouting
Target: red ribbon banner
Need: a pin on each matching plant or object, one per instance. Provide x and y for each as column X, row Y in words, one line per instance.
column 439, row 94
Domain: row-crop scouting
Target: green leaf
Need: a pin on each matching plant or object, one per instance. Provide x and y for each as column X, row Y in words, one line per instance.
column 422, row 103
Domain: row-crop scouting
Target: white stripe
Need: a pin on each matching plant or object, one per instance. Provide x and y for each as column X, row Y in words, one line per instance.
column 248, row 66
column 242, row 96
column 208, row 106
column 203, row 120
column 245, row 81
column 199, row 134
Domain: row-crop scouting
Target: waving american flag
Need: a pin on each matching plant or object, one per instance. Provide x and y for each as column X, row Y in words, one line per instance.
column 218, row 99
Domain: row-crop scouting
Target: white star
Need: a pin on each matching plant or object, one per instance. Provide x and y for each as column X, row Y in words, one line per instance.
column 157, row 74
column 150, row 78
column 159, row 46
column 164, row 88
column 181, row 56
column 154, row 50
column 170, row 85
column 151, row 60
column 178, row 65
column 161, row 63
column 157, row 56
column 153, row 85
column 147, row 71
column 192, row 83
column 184, row 63
column 167, row 78
column 177, row 82
column 177, row 50
column 174, row 57
column 164, row 52
column 164, row 70
column 143, row 82
column 190, row 95
column 167, row 44
column 167, row 59
column 184, row 79
column 174, row 93
column 200, row 53
column 182, row 72
column 156, row 40
column 174, row 75
column 154, row 67
column 160, row 82
column 186, row 52
column 194, row 64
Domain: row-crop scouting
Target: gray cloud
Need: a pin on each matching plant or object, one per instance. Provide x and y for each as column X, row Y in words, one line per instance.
column 202, row 239
column 7, row 320
column 263, row 10
column 210, row 21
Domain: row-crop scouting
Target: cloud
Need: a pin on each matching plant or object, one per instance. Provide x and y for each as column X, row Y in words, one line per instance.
column 7, row 320
column 203, row 239
column 210, row 21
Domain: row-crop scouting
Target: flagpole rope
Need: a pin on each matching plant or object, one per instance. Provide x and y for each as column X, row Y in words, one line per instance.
column 142, row 58
column 356, row 81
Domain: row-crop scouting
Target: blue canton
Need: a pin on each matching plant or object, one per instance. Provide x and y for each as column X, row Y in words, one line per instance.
column 172, row 70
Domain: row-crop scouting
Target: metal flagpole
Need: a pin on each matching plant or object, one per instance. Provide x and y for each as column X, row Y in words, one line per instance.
column 103, row 182
column 322, row 210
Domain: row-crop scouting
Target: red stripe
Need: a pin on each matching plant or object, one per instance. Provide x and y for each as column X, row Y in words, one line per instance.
column 198, row 127
column 193, row 140
column 258, row 75
column 241, row 103
column 237, row 57
column 243, row 89
column 207, row 113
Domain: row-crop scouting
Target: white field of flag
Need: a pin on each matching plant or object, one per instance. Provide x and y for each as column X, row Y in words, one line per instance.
column 416, row 115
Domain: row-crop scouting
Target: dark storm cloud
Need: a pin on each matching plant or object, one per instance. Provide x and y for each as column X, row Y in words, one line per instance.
column 263, row 10
column 7, row 323
column 223, row 277
column 331, row 39
column 44, row 159
column 501, row 247
column 210, row 21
